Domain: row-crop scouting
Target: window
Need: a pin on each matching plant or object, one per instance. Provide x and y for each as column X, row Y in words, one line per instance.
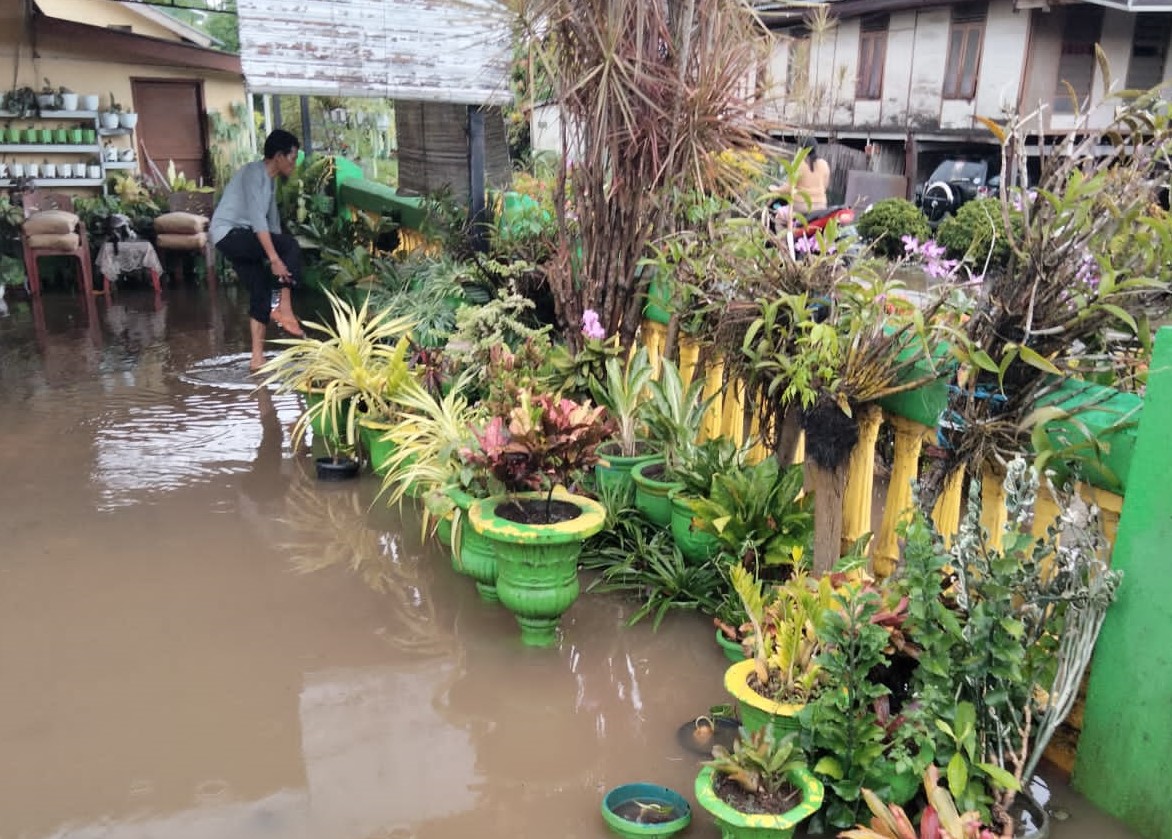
column 965, row 38
column 1149, row 50
column 872, row 55
column 1076, row 67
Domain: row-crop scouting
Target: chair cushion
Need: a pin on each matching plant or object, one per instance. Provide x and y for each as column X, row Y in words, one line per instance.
column 54, row 241
column 50, row 221
column 181, row 223
column 182, row 241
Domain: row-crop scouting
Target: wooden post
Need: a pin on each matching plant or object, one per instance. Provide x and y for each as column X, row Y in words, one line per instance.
column 689, row 355
column 306, row 136
column 477, row 202
column 654, row 337
column 860, row 481
column 713, row 387
column 909, row 439
column 993, row 514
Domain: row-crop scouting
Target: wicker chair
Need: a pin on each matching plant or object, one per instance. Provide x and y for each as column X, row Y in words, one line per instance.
column 51, row 228
column 184, row 229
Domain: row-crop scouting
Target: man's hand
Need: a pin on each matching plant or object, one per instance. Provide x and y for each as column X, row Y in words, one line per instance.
column 280, row 271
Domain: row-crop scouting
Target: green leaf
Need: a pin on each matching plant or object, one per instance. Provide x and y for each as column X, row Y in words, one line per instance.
column 1034, row 359
column 945, row 727
column 830, row 767
column 1000, row 777
column 982, row 360
column 958, row 775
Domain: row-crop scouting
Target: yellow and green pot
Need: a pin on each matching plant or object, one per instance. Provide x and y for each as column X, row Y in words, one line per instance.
column 378, row 449
column 734, row 824
column 472, row 554
column 757, row 711
column 328, row 428
column 537, row 564
column 651, row 493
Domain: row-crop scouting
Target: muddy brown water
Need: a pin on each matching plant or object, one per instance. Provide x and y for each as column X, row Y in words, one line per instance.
column 199, row 640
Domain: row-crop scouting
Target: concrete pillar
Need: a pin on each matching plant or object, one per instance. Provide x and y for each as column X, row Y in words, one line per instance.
column 1127, row 727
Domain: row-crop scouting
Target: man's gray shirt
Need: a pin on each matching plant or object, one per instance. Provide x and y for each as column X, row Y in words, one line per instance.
column 249, row 200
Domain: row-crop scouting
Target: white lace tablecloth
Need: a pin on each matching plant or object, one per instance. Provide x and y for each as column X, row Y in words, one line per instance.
column 131, row 256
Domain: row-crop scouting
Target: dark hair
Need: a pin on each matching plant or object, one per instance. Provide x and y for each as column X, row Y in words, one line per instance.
column 811, row 144
column 280, row 142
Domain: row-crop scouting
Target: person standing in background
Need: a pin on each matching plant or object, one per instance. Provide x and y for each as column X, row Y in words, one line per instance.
column 246, row 228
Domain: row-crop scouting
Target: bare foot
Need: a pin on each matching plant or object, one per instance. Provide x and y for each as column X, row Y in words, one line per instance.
column 288, row 322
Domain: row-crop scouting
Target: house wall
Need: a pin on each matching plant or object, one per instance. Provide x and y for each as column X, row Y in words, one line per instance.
column 105, row 13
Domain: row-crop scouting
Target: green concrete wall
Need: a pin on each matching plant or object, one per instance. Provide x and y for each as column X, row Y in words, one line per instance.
column 1126, row 742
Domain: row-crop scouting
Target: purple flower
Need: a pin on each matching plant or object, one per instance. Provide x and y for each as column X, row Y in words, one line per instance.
column 931, row 251
column 911, row 244
column 591, row 328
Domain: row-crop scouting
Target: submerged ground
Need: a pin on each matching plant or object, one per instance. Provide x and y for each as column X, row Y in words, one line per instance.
column 198, row 640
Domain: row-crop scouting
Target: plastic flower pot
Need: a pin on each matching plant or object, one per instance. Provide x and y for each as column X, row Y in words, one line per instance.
column 651, row 493
column 323, row 425
column 733, row 651
column 758, row 711
column 378, row 451
column 613, row 471
column 473, row 554
column 638, row 811
column 734, row 824
column 537, row 564
column 695, row 545
column 336, row 469
column 443, row 530
column 658, row 304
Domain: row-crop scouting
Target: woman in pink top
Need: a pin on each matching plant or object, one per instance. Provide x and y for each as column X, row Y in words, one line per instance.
column 813, row 178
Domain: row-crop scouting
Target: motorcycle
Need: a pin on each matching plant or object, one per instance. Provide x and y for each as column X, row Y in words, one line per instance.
column 801, row 236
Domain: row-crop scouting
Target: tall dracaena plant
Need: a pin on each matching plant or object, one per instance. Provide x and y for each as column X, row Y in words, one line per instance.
column 650, row 93
column 623, row 397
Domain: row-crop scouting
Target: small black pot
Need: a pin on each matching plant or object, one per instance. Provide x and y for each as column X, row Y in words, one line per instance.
column 341, row 469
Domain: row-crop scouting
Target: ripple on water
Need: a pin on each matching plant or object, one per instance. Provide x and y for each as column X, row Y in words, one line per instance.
column 225, row 371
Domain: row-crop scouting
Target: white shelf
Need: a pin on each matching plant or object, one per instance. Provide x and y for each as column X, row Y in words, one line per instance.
column 42, row 148
column 115, row 132
column 50, row 182
column 121, row 164
column 51, row 115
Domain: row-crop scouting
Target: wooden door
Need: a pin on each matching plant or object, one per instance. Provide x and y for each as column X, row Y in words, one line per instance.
column 171, row 126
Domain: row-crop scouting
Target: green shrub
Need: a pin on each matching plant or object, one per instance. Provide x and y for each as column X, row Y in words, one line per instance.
column 970, row 233
column 888, row 221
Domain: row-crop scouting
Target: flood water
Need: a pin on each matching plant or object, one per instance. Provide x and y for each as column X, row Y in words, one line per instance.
column 198, row 640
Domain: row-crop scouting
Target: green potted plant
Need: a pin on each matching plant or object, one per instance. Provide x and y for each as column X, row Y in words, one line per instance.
column 351, row 371
column 675, row 415
column 783, row 674
column 544, row 445
column 698, row 468
column 625, row 403
column 47, row 98
column 111, row 116
column 761, row 789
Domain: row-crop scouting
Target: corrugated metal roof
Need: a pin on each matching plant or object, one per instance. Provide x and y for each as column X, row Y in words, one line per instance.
column 429, row 50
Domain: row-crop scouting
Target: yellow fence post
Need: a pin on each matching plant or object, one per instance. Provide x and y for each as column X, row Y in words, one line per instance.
column 732, row 423
column 689, row 355
column 860, row 481
column 713, row 387
column 993, row 505
column 654, row 338
column 946, row 513
column 909, row 439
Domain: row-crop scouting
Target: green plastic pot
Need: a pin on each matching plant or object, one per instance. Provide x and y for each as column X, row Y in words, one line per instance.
column 734, row 824
column 324, row 426
column 658, row 304
column 645, row 794
column 378, row 450
column 757, row 711
column 472, row 554
column 651, row 493
column 613, row 471
column 537, row 564
column 695, row 545
column 733, row 651
column 443, row 530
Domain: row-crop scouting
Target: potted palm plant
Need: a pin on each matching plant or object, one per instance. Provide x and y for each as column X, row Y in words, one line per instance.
column 761, row 789
column 625, row 403
column 351, row 371
column 675, row 415
column 538, row 526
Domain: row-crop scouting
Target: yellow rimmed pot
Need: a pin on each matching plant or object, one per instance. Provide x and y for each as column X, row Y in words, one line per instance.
column 537, row 563
column 734, row 824
column 758, row 711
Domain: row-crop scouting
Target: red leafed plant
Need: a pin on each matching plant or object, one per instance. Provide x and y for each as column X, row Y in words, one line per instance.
column 543, row 442
column 940, row 819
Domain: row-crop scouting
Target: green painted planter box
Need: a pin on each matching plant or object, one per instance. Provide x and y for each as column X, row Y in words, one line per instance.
column 734, row 824
column 651, row 494
column 733, row 651
column 378, row 451
column 537, row 564
column 472, row 554
column 324, row 426
column 645, row 794
column 757, row 712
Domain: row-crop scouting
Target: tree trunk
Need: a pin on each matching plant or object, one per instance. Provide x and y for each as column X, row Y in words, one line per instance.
column 787, row 439
column 829, row 488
